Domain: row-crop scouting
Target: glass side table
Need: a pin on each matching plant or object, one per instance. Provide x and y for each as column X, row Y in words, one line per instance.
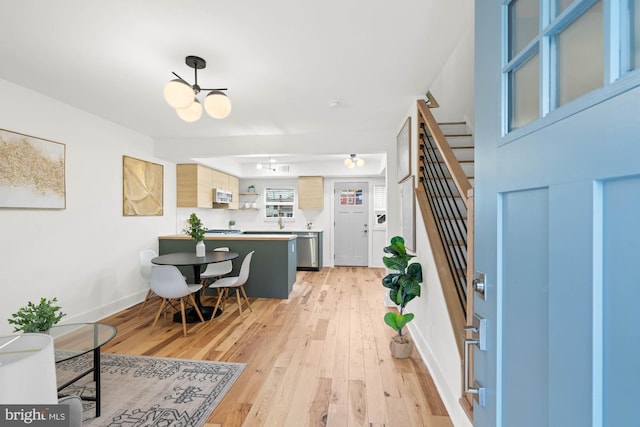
column 74, row 340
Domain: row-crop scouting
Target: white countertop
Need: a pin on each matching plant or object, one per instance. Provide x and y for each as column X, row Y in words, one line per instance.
column 284, row 230
column 224, row 236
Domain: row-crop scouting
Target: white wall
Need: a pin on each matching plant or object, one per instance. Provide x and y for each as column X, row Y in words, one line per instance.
column 87, row 254
column 454, row 87
column 431, row 329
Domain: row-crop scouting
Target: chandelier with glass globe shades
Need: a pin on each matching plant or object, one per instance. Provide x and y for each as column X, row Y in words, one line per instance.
column 183, row 96
column 353, row 161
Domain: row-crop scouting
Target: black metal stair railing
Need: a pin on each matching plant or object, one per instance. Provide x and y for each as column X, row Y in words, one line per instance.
column 447, row 208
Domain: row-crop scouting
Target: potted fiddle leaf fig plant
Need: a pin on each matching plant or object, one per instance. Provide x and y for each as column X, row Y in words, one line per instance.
column 37, row 318
column 196, row 230
column 403, row 283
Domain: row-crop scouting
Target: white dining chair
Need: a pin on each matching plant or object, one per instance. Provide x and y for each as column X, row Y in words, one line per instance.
column 145, row 258
column 223, row 285
column 217, row 269
column 168, row 283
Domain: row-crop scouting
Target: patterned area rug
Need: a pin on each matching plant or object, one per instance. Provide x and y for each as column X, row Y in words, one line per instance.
column 150, row 391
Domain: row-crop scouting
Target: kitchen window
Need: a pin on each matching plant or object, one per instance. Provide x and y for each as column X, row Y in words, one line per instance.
column 279, row 202
column 380, row 204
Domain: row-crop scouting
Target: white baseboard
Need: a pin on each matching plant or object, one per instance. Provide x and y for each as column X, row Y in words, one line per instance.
column 106, row 310
column 449, row 397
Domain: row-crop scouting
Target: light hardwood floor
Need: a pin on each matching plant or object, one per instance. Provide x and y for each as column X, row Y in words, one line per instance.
column 320, row 358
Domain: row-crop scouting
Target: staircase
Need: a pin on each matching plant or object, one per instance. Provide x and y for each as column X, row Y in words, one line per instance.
column 445, row 198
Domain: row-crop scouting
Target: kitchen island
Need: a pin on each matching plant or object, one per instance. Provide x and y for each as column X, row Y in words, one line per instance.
column 308, row 247
column 273, row 266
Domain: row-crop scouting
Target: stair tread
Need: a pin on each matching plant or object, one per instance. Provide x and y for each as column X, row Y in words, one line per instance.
column 455, row 147
column 459, row 161
column 446, row 178
column 453, row 196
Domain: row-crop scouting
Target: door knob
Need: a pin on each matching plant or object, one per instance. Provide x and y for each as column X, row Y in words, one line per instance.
column 480, row 284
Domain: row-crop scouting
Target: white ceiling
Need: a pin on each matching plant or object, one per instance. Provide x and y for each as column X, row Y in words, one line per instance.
column 282, row 62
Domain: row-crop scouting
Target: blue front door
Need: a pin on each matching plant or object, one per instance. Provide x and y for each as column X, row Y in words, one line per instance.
column 558, row 238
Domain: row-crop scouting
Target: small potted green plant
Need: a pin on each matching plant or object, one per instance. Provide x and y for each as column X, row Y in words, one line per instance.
column 37, row 318
column 232, row 224
column 196, row 230
column 403, row 283
column 252, row 189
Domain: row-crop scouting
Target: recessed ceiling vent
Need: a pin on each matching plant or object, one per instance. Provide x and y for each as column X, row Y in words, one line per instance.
column 283, row 168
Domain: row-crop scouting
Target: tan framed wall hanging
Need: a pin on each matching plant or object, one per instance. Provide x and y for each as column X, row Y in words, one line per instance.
column 32, row 172
column 142, row 187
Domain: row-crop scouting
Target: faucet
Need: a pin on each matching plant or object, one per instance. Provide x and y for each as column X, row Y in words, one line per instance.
column 280, row 224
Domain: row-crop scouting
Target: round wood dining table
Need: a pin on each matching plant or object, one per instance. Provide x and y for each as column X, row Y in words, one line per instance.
column 181, row 259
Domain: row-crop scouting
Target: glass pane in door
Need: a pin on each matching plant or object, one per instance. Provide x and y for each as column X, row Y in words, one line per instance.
column 524, row 102
column 561, row 5
column 350, row 197
column 580, row 56
column 523, row 24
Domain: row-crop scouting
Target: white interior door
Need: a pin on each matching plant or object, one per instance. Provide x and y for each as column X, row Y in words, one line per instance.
column 351, row 223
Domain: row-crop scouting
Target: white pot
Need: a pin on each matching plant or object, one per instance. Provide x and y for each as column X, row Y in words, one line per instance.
column 200, row 248
column 400, row 347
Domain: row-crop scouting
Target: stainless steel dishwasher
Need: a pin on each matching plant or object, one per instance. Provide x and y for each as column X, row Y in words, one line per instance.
column 307, row 247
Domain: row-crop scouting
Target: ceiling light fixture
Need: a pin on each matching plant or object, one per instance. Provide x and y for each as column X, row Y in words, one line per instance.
column 182, row 96
column 269, row 166
column 352, row 161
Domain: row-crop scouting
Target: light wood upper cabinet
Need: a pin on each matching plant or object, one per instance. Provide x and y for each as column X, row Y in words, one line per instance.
column 220, row 180
column 234, row 187
column 195, row 184
column 310, row 192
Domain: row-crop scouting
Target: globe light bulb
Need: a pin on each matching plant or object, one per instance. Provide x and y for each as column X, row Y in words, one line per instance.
column 192, row 113
column 217, row 104
column 178, row 94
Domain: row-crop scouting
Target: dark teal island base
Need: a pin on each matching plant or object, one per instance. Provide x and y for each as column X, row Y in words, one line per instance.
column 273, row 266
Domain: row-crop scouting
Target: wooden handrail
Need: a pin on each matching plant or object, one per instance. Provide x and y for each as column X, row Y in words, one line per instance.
column 457, row 174
column 458, row 290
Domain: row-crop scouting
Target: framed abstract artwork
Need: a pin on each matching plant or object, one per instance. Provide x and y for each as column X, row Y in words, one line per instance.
column 403, row 142
column 142, row 187
column 32, row 172
column 408, row 214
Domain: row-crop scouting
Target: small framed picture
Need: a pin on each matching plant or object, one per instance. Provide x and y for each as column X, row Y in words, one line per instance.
column 408, row 214
column 404, row 151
